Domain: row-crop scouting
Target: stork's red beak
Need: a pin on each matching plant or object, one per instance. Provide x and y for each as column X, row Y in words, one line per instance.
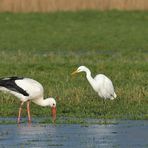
column 53, row 113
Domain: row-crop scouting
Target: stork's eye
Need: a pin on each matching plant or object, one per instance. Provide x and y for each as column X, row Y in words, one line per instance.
column 53, row 104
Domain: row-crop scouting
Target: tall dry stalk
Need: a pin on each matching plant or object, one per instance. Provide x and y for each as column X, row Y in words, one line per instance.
column 73, row 5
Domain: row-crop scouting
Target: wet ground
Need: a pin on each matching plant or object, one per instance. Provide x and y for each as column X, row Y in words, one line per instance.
column 124, row 133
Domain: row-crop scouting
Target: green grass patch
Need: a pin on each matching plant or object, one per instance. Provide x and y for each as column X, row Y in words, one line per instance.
column 48, row 47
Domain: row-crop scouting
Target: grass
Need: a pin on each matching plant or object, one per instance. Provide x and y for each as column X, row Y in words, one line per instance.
column 48, row 47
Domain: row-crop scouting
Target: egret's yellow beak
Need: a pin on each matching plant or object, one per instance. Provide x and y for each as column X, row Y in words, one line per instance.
column 74, row 72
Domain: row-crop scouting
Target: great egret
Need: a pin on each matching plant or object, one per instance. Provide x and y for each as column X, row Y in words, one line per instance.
column 27, row 89
column 100, row 83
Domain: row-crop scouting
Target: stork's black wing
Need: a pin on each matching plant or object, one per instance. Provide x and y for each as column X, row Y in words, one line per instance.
column 10, row 84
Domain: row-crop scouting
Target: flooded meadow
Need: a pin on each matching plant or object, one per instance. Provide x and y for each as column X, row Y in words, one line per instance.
column 122, row 133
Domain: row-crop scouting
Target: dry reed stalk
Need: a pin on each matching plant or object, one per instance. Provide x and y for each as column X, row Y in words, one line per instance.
column 73, row 5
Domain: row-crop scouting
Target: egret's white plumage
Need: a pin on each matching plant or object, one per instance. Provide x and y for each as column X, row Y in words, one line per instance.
column 100, row 83
column 27, row 89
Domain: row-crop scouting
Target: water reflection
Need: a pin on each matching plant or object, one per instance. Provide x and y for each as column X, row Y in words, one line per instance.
column 123, row 134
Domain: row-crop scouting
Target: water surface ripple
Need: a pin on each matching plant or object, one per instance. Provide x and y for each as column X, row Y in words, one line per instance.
column 123, row 134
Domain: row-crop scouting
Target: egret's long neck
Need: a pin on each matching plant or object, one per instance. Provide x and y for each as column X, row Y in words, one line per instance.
column 90, row 78
column 41, row 101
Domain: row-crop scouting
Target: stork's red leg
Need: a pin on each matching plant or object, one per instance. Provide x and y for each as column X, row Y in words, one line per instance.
column 28, row 111
column 19, row 113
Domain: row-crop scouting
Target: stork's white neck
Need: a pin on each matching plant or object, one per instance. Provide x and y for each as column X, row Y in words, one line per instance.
column 42, row 102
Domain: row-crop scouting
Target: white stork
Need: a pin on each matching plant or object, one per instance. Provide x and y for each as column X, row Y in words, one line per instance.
column 27, row 89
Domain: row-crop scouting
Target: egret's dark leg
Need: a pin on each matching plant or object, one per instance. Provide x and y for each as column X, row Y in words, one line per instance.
column 28, row 111
column 19, row 114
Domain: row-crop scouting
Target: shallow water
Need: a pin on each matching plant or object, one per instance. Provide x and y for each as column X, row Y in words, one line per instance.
column 117, row 134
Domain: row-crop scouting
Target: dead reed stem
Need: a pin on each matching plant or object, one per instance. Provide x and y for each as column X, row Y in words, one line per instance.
column 72, row 5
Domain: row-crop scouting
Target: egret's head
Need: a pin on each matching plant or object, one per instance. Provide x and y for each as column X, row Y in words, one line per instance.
column 80, row 69
column 52, row 104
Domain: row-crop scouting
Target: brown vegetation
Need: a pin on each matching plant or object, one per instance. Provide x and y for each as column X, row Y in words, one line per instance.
column 73, row 5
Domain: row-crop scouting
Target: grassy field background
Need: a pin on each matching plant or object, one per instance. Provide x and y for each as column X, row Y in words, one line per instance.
column 48, row 47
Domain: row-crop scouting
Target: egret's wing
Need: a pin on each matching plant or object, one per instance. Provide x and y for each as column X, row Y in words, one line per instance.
column 105, row 86
column 109, row 86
